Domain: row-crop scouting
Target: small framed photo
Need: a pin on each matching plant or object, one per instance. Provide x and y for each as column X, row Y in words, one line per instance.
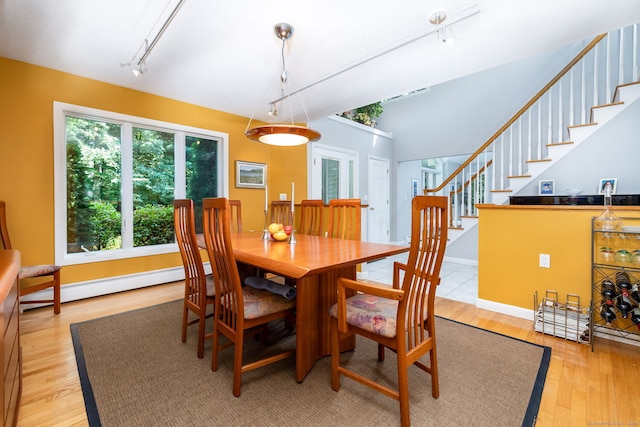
column 251, row 175
column 546, row 187
column 611, row 182
column 414, row 188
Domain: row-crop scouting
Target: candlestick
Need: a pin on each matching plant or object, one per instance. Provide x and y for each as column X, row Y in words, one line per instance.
column 266, row 198
column 265, row 231
column 292, row 196
column 292, row 236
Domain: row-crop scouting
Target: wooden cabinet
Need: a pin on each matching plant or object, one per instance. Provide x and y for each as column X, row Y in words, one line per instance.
column 10, row 326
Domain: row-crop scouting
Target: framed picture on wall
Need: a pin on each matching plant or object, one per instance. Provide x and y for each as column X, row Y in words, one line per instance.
column 414, row 188
column 251, row 175
column 546, row 187
column 611, row 182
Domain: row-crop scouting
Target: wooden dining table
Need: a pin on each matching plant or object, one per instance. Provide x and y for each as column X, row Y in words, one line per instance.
column 314, row 263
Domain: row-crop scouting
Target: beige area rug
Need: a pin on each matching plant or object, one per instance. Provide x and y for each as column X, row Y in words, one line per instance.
column 135, row 371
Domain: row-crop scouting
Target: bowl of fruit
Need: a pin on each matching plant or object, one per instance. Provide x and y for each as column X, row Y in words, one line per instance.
column 279, row 232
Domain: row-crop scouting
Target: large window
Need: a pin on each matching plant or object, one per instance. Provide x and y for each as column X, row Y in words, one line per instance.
column 117, row 176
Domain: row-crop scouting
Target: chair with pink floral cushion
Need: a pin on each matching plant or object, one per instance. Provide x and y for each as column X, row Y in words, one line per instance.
column 49, row 272
column 400, row 318
column 240, row 311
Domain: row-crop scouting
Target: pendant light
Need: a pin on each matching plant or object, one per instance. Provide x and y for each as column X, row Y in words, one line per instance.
column 282, row 134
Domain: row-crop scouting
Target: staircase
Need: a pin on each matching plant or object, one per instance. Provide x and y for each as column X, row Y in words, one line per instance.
column 599, row 83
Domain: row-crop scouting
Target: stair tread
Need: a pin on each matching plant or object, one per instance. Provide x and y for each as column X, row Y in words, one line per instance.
column 538, row 161
column 607, row 105
column 553, row 144
column 519, row 176
column 617, row 91
column 583, row 125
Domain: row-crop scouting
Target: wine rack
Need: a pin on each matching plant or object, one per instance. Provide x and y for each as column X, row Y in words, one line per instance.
column 569, row 320
column 615, row 277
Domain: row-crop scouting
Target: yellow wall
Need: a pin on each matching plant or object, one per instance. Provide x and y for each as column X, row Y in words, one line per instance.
column 26, row 158
column 510, row 239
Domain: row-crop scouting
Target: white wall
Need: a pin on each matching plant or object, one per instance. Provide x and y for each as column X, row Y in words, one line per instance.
column 458, row 116
column 611, row 152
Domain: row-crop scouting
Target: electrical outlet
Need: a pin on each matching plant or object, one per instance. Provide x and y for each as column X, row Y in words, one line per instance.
column 283, row 196
column 545, row 260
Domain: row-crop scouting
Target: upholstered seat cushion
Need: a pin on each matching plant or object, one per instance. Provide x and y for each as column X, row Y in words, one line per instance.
column 258, row 302
column 371, row 313
column 31, row 271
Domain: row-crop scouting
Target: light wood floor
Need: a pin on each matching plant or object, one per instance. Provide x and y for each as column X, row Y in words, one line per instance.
column 582, row 387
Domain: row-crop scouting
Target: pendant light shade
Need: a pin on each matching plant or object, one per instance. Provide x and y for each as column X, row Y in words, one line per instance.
column 282, row 134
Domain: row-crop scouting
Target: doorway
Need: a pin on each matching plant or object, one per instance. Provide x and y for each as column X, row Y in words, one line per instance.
column 378, row 211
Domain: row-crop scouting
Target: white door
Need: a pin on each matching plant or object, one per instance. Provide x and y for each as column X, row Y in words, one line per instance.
column 334, row 173
column 378, row 222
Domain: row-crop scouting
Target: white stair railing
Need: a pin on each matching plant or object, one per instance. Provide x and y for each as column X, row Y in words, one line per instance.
column 589, row 80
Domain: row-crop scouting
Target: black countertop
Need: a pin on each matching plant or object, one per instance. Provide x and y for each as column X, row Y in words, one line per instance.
column 584, row 200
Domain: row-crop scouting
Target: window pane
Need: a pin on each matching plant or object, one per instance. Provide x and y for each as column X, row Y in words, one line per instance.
column 153, row 187
column 93, row 185
column 330, row 179
column 202, row 173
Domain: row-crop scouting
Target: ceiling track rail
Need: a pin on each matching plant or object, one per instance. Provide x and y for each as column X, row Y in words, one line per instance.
column 467, row 13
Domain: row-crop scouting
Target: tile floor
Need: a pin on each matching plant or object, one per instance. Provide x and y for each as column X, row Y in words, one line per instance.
column 457, row 281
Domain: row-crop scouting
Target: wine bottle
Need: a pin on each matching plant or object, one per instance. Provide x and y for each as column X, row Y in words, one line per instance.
column 623, row 282
column 607, row 314
column 625, row 306
column 608, row 291
column 635, row 295
column 635, row 317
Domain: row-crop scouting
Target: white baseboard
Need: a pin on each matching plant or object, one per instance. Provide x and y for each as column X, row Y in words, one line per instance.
column 362, row 275
column 510, row 310
column 461, row 261
column 94, row 288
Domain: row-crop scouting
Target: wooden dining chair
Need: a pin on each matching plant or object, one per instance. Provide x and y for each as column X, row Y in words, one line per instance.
column 311, row 217
column 400, row 318
column 236, row 215
column 49, row 272
column 345, row 219
column 199, row 289
column 281, row 212
column 240, row 311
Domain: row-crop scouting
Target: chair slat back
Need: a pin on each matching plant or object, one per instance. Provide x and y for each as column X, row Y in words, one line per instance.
column 217, row 237
column 236, row 216
column 185, row 230
column 428, row 242
column 281, row 212
column 4, row 231
column 344, row 219
column 311, row 221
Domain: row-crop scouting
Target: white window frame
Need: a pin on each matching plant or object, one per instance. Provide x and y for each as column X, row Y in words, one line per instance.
column 60, row 111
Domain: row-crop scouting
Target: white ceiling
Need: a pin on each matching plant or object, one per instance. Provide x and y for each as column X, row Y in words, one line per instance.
column 224, row 55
